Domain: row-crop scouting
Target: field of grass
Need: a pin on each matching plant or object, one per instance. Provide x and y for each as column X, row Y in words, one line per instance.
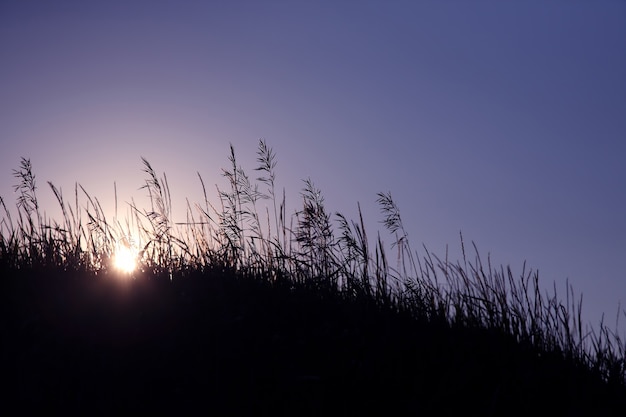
column 241, row 312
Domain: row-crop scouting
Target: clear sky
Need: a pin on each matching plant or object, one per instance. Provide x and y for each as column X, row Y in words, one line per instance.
column 503, row 120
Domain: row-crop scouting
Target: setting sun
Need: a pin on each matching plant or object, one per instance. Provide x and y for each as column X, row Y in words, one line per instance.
column 125, row 256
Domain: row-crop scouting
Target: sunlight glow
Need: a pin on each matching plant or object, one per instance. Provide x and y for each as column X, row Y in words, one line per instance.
column 125, row 258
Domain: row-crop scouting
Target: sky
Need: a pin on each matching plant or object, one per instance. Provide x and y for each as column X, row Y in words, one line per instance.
column 505, row 121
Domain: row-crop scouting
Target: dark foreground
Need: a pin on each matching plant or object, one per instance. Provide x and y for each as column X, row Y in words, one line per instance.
column 216, row 345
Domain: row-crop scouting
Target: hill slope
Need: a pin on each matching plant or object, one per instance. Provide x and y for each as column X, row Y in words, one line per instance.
column 238, row 346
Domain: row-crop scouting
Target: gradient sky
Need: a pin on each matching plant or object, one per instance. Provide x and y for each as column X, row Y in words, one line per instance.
column 503, row 120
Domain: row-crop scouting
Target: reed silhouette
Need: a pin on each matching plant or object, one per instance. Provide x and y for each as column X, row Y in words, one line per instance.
column 239, row 312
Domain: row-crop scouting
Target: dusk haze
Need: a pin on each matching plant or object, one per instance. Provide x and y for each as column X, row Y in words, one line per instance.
column 495, row 123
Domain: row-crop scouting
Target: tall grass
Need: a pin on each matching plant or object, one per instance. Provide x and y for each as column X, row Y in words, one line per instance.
column 311, row 248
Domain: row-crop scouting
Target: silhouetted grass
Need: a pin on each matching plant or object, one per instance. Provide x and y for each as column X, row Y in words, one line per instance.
column 255, row 312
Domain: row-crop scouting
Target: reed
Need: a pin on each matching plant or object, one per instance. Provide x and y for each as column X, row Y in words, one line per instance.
column 311, row 249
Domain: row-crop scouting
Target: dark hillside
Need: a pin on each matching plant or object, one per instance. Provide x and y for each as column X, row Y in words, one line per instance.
column 225, row 345
column 228, row 313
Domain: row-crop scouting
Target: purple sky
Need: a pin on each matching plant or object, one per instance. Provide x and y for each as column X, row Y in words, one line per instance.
column 504, row 120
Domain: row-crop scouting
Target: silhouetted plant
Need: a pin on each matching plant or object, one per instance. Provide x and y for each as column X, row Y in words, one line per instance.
column 309, row 249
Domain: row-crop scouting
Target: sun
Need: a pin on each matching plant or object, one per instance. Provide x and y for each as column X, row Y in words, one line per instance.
column 125, row 258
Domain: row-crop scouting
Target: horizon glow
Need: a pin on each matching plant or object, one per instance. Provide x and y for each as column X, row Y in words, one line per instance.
column 126, row 256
